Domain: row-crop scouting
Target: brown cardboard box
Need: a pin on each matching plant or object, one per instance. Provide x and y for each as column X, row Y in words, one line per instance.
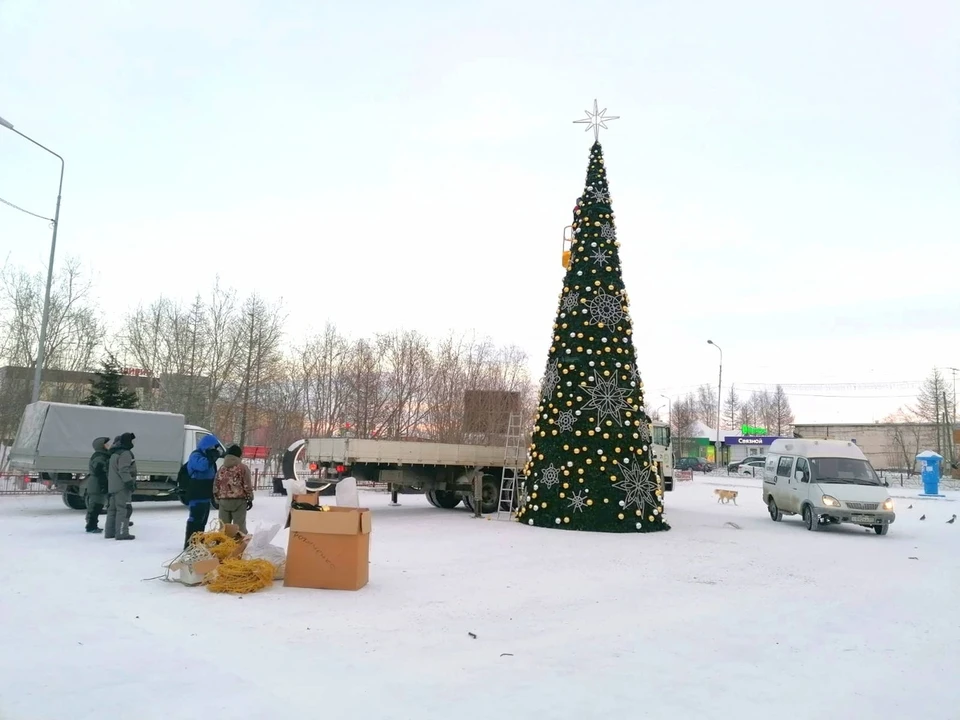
column 328, row 550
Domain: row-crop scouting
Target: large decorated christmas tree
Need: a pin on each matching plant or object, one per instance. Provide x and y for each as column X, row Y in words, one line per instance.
column 590, row 465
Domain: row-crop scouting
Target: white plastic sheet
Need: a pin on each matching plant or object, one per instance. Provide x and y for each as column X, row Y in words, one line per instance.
column 260, row 547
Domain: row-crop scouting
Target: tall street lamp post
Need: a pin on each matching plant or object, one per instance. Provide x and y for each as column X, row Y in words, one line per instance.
column 41, row 345
column 719, row 396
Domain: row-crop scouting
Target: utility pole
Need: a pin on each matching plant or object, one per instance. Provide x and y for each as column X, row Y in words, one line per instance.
column 246, row 384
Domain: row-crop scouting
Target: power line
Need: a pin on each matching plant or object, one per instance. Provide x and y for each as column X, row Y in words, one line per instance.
column 851, row 397
column 17, row 207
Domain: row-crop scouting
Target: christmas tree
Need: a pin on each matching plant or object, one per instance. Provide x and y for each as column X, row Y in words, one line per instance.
column 590, row 465
column 107, row 388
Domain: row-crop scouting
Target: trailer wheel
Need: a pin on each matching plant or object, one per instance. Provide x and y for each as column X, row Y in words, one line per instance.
column 468, row 503
column 73, row 499
column 446, row 499
column 490, row 494
column 431, row 496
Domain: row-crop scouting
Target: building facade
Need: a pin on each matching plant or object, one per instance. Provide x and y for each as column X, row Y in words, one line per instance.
column 888, row 446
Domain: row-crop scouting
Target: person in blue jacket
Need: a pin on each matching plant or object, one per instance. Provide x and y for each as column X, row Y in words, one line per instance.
column 200, row 470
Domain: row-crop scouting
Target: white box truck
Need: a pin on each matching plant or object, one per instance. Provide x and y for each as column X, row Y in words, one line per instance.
column 54, row 441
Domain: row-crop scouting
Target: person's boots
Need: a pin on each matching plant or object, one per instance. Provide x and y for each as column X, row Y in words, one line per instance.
column 93, row 515
column 123, row 531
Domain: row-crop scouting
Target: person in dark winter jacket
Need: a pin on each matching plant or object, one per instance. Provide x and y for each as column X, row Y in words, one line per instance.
column 201, row 469
column 233, row 489
column 95, row 488
column 121, row 482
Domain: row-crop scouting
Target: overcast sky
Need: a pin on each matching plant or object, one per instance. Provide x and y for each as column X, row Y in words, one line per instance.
column 785, row 174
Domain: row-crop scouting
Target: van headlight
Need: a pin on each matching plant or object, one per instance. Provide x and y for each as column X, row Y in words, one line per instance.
column 888, row 504
column 830, row 501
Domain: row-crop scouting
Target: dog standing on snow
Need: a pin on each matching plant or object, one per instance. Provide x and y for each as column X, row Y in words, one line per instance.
column 726, row 495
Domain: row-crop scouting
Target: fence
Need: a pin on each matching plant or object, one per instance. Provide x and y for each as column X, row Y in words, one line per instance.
column 907, row 479
column 20, row 484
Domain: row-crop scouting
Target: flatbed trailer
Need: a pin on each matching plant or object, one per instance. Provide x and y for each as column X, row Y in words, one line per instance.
column 448, row 473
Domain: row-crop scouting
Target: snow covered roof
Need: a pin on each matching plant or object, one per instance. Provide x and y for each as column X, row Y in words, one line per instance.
column 699, row 430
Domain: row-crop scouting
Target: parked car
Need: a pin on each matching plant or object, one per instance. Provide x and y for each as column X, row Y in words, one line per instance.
column 691, row 463
column 752, row 466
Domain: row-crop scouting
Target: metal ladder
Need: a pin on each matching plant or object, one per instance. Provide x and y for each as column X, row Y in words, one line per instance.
column 512, row 478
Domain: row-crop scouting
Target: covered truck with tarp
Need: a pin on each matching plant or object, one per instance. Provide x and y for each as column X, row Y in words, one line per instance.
column 54, row 443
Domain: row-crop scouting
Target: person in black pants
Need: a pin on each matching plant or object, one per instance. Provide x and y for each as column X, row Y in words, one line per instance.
column 200, row 470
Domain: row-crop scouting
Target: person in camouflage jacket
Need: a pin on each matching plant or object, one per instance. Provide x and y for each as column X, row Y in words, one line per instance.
column 233, row 489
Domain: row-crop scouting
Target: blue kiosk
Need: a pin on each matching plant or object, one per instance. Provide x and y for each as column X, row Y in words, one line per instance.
column 930, row 473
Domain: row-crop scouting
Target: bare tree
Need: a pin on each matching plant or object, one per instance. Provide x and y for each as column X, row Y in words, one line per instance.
column 367, row 407
column 684, row 416
column 324, row 361
column 261, row 333
column 731, row 408
column 409, row 367
column 763, row 409
column 906, row 441
column 935, row 405
column 746, row 413
column 780, row 410
column 283, row 410
column 707, row 405
column 74, row 337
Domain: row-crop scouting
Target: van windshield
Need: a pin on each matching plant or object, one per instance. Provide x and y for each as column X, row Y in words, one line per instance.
column 843, row 470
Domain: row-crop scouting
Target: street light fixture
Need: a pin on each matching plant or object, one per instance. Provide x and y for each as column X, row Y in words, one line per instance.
column 719, row 396
column 41, row 345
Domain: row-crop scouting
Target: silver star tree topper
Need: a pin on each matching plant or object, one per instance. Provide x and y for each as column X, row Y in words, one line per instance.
column 596, row 119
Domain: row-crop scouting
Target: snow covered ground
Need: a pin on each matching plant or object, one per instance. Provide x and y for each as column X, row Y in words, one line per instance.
column 706, row 621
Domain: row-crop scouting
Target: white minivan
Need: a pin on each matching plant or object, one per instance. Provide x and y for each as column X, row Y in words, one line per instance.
column 825, row 482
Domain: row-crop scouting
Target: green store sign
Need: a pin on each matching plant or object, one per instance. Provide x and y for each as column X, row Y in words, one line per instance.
column 750, row 430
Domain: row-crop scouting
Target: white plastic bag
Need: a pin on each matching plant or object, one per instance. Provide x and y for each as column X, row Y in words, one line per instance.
column 260, row 548
column 347, row 493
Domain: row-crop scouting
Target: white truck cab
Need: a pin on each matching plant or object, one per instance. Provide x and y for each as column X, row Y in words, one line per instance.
column 825, row 482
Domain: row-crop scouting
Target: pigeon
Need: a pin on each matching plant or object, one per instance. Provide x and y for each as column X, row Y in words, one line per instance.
column 923, row 517
column 909, row 507
column 952, row 520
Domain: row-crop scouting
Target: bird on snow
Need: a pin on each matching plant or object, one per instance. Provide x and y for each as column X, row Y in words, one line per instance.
column 923, row 517
column 909, row 507
column 952, row 520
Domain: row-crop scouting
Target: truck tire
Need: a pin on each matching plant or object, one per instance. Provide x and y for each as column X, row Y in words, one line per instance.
column 810, row 518
column 431, row 497
column 490, row 490
column 446, row 499
column 73, row 499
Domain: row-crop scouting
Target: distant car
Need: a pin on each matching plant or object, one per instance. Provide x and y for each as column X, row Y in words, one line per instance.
column 690, row 463
column 751, row 466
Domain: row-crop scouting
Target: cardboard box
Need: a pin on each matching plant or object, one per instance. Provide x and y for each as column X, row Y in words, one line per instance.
column 194, row 573
column 328, row 550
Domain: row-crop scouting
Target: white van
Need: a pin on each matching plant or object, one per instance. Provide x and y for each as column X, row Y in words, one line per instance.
column 826, row 482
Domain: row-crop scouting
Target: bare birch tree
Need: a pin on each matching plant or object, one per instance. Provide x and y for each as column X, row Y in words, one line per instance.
column 731, row 408
column 324, row 360
column 685, row 413
column 781, row 412
column 707, row 405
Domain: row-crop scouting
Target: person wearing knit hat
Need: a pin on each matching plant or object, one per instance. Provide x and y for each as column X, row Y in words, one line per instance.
column 233, row 489
column 121, row 482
